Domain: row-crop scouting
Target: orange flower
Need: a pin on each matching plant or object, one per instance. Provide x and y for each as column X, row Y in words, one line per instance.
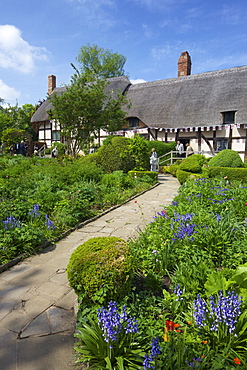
column 170, row 325
column 189, row 322
column 202, row 356
column 237, row 361
column 204, row 341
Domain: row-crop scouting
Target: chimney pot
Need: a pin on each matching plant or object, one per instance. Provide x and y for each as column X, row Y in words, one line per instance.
column 51, row 84
column 184, row 64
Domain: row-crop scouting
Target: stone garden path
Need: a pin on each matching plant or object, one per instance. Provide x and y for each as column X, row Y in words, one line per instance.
column 37, row 313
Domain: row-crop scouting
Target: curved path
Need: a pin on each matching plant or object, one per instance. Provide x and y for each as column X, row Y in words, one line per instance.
column 37, row 318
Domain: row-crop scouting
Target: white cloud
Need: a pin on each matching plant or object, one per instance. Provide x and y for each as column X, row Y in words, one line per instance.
column 16, row 53
column 8, row 94
column 137, row 81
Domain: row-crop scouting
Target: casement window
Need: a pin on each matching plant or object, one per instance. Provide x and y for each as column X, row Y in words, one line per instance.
column 55, row 135
column 228, row 117
column 133, row 122
column 221, row 144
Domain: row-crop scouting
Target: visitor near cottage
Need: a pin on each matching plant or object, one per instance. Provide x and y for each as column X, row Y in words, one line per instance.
column 154, row 161
column 189, row 150
column 179, row 149
column 54, row 152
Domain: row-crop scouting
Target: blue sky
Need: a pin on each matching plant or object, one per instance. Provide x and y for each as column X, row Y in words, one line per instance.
column 39, row 38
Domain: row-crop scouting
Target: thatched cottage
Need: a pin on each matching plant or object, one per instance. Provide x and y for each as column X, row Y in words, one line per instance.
column 209, row 109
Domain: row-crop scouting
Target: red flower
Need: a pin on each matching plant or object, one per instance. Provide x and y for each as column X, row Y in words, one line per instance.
column 135, row 201
column 237, row 361
column 170, row 325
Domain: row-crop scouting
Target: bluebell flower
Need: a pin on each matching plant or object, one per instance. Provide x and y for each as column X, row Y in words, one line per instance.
column 155, row 351
column 112, row 322
column 178, row 291
column 35, row 211
column 225, row 309
column 11, row 222
column 49, row 223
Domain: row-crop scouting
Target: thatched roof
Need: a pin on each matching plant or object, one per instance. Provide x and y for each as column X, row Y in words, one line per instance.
column 116, row 84
column 190, row 101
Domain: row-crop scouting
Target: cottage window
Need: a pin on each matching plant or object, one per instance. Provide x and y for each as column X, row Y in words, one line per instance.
column 228, row 117
column 133, row 122
column 55, row 135
column 221, row 144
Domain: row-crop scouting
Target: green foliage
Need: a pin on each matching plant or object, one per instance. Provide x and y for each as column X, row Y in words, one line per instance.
column 60, row 147
column 17, row 118
column 144, row 174
column 160, row 147
column 226, row 158
column 84, row 108
column 99, row 270
column 172, row 169
column 231, row 173
column 12, row 135
column 113, row 157
column 138, row 149
column 67, row 190
column 183, row 176
column 193, row 163
column 99, row 62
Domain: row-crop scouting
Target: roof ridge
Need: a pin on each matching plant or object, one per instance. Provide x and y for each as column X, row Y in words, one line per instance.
column 190, row 77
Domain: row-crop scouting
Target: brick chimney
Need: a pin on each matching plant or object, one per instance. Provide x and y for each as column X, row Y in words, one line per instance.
column 184, row 64
column 51, row 84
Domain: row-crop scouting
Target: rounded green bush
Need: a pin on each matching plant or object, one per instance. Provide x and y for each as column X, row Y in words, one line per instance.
column 191, row 164
column 226, row 158
column 100, row 269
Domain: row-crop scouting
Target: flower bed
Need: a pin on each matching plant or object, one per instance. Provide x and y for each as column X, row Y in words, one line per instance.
column 189, row 294
column 42, row 198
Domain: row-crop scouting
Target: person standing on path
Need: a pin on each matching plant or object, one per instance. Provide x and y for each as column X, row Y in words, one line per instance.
column 154, row 160
column 180, row 149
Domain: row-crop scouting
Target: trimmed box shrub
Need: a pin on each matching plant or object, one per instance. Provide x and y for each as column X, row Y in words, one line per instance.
column 100, row 269
column 226, row 158
column 193, row 163
column 232, row 174
column 183, row 176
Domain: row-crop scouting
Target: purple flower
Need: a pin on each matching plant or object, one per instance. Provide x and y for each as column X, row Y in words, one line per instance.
column 112, row 322
column 35, row 211
column 49, row 223
column 11, row 222
column 155, row 351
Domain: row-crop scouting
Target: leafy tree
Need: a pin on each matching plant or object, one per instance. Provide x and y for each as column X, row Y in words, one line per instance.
column 13, row 135
column 100, row 63
column 17, row 117
column 85, row 108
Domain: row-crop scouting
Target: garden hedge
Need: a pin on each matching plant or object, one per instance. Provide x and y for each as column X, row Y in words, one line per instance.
column 226, row 158
column 239, row 174
column 100, row 269
column 183, row 176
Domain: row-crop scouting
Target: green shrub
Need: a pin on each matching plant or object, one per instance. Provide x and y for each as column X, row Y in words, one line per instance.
column 172, row 169
column 232, row 174
column 226, row 158
column 153, row 175
column 193, row 163
column 100, row 269
column 161, row 147
column 114, row 157
column 183, row 176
